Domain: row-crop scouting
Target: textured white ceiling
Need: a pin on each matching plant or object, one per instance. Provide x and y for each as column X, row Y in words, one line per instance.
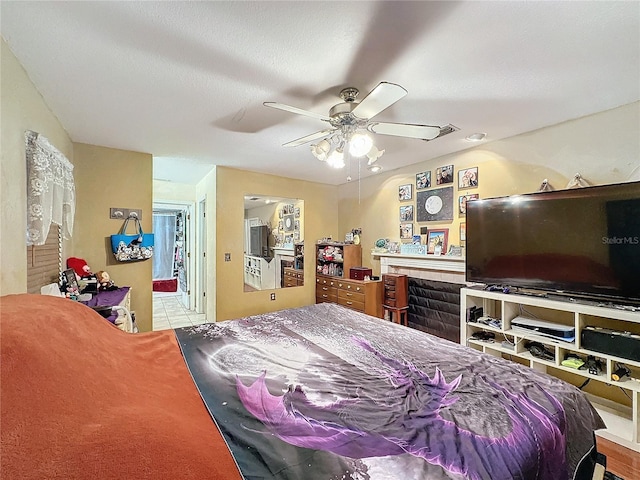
column 185, row 81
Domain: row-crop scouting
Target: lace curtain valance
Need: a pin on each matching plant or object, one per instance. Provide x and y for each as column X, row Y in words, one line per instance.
column 51, row 193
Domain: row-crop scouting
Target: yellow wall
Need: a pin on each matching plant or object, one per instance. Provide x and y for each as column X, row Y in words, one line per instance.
column 320, row 207
column 23, row 108
column 105, row 178
column 603, row 148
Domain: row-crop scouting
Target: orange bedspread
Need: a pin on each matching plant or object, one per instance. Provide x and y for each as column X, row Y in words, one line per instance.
column 81, row 399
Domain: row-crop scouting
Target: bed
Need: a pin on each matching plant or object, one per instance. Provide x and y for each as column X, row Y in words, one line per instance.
column 317, row 392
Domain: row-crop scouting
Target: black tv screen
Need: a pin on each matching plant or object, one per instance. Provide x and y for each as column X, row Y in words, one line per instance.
column 583, row 241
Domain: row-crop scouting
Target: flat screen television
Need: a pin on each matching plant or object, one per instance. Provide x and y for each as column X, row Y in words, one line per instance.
column 579, row 242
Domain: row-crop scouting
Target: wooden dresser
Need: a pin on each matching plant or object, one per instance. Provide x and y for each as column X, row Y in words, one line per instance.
column 293, row 277
column 360, row 295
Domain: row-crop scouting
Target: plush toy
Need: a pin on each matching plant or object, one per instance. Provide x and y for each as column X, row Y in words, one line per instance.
column 80, row 267
column 104, row 281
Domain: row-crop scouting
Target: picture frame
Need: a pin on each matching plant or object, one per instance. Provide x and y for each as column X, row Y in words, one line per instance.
column 468, row 177
column 463, row 232
column 406, row 231
column 405, row 192
column 71, row 281
column 281, row 213
column 437, row 241
column 406, row 213
column 435, row 205
column 444, row 175
column 423, row 180
column 296, row 225
column 296, row 212
column 462, row 202
column 281, row 226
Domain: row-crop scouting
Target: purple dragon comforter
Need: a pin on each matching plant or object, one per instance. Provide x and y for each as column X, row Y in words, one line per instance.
column 323, row 392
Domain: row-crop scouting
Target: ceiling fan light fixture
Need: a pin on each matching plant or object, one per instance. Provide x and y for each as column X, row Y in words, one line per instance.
column 374, row 168
column 373, row 155
column 360, row 144
column 336, row 159
column 321, row 150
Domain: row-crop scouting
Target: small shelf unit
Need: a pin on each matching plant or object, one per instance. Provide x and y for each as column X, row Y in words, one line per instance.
column 510, row 343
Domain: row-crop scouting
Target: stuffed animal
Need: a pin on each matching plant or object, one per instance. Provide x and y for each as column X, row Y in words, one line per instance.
column 79, row 266
column 104, row 281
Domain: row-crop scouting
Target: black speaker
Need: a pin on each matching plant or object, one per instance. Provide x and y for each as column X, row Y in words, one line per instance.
column 612, row 342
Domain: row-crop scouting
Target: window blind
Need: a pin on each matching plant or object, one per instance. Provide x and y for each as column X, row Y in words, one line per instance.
column 44, row 262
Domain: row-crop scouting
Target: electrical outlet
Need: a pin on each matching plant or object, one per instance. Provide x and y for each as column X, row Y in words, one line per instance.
column 273, row 296
column 227, row 257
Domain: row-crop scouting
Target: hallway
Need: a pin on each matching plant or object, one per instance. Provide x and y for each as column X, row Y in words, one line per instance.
column 168, row 312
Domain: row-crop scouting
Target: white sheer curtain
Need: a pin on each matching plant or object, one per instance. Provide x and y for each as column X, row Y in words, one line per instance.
column 51, row 193
column 164, row 232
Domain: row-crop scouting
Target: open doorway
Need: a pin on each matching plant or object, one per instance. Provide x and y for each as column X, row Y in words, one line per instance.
column 172, row 276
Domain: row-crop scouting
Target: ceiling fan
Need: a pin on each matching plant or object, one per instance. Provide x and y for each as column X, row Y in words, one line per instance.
column 350, row 117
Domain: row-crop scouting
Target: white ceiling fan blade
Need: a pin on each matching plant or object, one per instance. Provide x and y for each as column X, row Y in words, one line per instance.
column 424, row 132
column 299, row 111
column 380, row 98
column 309, row 138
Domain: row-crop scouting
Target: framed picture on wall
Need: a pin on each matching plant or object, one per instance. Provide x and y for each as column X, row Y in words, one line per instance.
column 405, row 192
column 463, row 232
column 444, row 175
column 437, row 241
column 281, row 225
column 296, row 212
column 406, row 213
column 434, row 205
column 406, row 231
column 423, row 180
column 468, row 178
column 462, row 202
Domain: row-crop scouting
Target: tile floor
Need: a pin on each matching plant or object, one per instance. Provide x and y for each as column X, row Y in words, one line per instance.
column 168, row 312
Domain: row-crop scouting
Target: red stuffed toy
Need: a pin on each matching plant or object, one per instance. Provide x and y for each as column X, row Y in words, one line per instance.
column 80, row 267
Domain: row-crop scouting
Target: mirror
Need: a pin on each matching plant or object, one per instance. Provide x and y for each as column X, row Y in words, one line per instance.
column 273, row 242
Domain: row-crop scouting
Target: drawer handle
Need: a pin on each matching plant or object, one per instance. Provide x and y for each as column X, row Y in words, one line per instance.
column 325, row 288
column 325, row 296
column 349, row 294
column 358, row 289
column 349, row 303
column 348, row 286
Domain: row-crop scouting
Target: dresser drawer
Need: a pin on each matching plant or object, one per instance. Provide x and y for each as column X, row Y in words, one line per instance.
column 351, row 296
column 325, row 292
column 326, row 281
column 350, row 286
column 349, row 303
column 326, row 297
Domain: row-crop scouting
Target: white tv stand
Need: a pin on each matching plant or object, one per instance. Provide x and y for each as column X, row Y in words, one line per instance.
column 623, row 421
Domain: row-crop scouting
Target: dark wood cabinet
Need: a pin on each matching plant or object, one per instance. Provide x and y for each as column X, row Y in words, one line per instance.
column 396, row 290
